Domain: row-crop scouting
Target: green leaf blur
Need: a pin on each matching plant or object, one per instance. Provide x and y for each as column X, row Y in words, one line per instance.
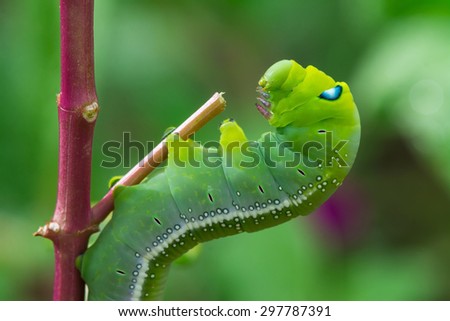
column 384, row 236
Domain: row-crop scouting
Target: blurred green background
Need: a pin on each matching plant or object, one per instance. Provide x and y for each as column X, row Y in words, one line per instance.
column 385, row 235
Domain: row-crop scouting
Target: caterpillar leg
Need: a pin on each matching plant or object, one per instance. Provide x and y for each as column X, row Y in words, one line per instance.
column 231, row 133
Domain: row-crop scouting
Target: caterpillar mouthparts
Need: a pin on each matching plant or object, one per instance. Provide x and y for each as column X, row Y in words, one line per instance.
column 263, row 105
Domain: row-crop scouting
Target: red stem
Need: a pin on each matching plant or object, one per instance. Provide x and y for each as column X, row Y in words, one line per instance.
column 73, row 222
column 77, row 111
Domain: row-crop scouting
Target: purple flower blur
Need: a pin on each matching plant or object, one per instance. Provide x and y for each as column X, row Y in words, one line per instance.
column 342, row 221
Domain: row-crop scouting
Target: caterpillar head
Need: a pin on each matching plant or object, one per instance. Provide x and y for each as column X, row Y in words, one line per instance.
column 289, row 94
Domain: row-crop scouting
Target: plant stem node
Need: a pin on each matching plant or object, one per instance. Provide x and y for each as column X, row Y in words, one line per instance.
column 90, row 112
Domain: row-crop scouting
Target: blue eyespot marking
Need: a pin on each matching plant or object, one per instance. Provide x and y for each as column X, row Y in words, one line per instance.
column 332, row 93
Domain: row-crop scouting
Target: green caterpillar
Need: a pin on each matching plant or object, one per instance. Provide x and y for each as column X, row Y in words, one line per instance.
column 239, row 186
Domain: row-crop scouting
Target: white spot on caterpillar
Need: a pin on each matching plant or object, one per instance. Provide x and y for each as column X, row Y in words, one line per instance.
column 233, row 221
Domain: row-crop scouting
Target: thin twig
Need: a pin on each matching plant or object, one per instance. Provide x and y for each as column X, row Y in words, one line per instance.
column 214, row 106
